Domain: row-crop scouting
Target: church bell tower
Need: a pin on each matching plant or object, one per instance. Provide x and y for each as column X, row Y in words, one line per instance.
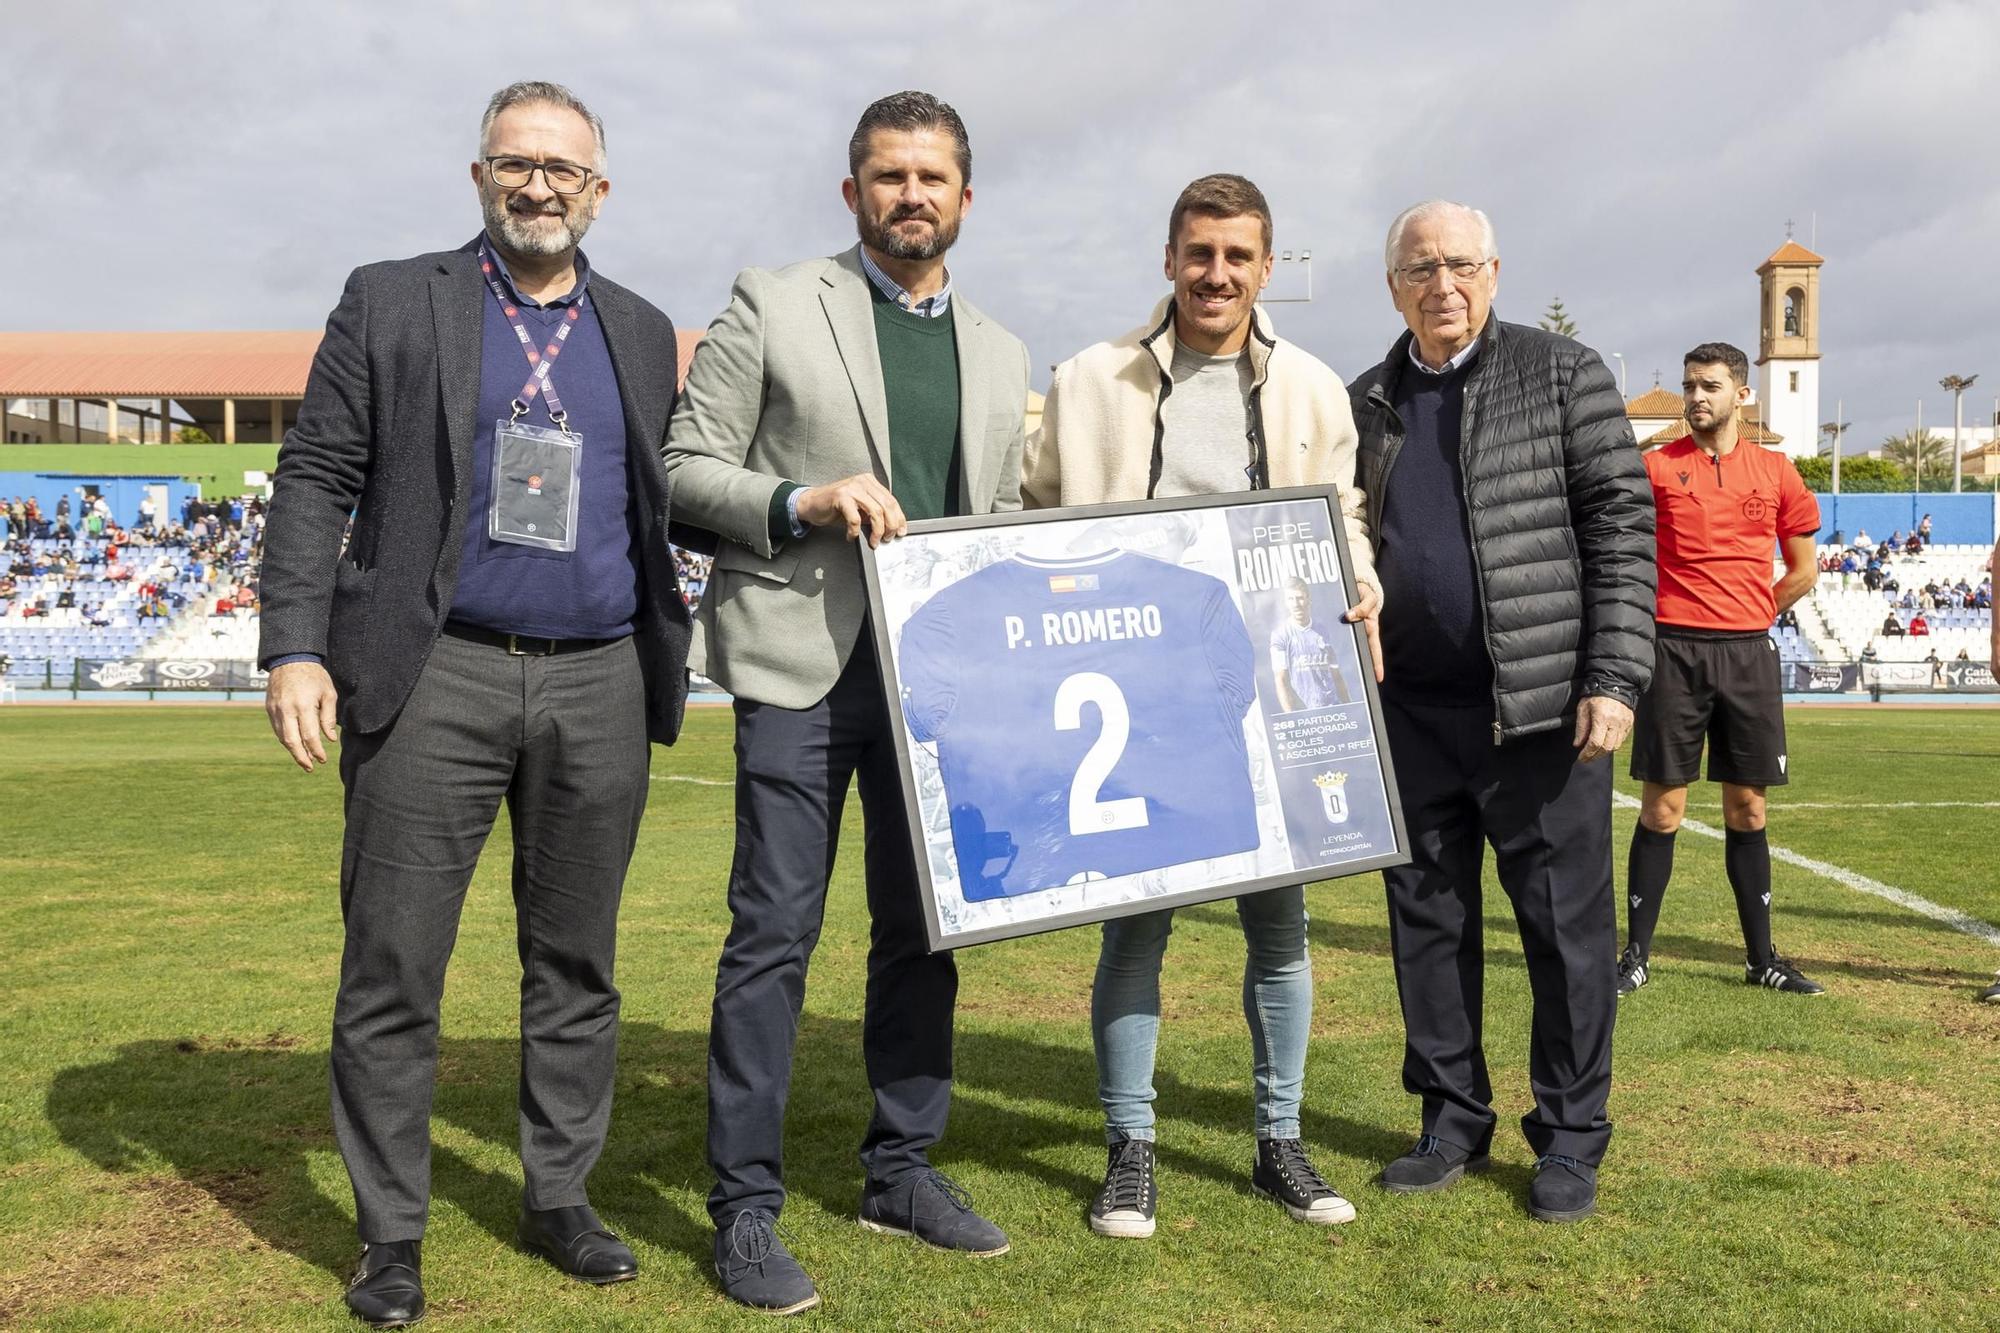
column 1788, row 346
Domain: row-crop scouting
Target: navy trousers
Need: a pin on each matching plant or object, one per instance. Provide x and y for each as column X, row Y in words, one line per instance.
column 1548, row 820
column 793, row 767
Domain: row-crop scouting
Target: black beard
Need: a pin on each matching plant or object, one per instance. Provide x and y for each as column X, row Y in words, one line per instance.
column 881, row 236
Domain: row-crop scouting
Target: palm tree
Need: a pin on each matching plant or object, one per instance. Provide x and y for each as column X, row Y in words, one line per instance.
column 1918, row 452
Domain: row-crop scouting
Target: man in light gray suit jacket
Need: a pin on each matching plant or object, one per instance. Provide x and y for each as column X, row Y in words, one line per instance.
column 831, row 402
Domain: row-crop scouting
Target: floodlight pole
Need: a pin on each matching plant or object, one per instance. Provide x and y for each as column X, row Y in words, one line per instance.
column 1958, row 384
column 1304, row 259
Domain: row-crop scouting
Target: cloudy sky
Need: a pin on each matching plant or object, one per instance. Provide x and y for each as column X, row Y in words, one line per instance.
column 220, row 165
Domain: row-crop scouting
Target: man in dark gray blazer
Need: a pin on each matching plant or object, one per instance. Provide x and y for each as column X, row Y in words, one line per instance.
column 836, row 398
column 502, row 622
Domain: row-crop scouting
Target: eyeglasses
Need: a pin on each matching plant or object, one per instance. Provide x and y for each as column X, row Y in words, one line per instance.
column 1421, row 275
column 512, row 173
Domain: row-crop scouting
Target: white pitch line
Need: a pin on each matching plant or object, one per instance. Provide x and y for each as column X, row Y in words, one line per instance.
column 1950, row 916
column 699, row 782
column 1862, row 805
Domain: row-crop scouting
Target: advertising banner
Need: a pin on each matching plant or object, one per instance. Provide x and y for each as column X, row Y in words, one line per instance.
column 168, row 673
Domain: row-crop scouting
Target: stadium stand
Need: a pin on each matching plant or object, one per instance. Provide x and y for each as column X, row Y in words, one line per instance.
column 185, row 591
column 1947, row 587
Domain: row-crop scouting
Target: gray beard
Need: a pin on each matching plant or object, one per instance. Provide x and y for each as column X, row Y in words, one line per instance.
column 516, row 234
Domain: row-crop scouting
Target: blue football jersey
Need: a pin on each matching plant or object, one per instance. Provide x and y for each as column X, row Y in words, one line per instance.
column 1303, row 654
column 1088, row 716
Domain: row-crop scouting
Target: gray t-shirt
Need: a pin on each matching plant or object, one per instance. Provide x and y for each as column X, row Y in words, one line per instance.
column 1205, row 448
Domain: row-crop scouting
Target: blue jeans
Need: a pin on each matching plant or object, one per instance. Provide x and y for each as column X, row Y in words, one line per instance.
column 1277, row 1002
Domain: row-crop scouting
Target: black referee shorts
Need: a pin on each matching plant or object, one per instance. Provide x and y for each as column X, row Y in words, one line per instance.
column 1718, row 685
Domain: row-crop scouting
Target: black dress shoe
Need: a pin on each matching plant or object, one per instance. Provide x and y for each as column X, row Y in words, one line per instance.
column 387, row 1290
column 574, row 1240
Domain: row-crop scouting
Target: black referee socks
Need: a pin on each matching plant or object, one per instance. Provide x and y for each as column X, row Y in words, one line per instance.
column 1747, row 856
column 1648, row 867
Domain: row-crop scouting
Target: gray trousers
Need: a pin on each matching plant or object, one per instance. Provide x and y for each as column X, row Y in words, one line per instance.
column 562, row 740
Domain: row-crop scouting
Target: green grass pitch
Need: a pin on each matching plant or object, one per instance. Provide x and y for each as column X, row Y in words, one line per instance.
column 169, row 936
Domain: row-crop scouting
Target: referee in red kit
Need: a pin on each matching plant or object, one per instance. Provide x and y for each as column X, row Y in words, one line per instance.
column 1722, row 506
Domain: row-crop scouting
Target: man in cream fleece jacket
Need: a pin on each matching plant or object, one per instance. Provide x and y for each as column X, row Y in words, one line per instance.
column 1202, row 399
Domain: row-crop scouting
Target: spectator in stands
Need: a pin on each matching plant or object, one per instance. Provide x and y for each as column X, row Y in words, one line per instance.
column 62, row 508
column 147, row 513
column 1861, row 542
column 1850, row 565
column 1914, row 546
column 1963, row 656
column 1871, row 578
column 1892, row 627
column 1924, row 530
column 96, row 616
column 1895, row 539
column 1936, row 664
column 1788, row 619
column 1919, row 627
column 8, row 587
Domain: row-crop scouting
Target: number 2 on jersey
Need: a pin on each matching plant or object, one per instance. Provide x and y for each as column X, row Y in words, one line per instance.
column 1087, row 814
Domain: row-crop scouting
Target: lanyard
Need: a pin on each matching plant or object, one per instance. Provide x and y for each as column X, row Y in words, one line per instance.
column 542, row 359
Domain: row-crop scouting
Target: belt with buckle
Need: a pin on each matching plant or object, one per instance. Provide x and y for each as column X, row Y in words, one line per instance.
column 520, row 645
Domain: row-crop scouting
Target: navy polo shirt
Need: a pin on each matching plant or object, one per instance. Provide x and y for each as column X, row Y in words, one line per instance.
column 593, row 591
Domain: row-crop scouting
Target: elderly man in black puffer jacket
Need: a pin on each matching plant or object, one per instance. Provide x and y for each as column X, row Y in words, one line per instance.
column 1514, row 540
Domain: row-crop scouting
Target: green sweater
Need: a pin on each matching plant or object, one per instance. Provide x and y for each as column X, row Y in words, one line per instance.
column 920, row 376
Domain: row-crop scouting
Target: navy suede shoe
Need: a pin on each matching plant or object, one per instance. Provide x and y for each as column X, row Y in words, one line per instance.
column 935, row 1209
column 757, row 1270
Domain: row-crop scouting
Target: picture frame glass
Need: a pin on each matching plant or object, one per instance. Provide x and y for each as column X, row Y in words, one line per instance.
column 1111, row 710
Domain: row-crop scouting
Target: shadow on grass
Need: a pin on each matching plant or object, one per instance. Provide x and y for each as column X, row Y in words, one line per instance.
column 1729, row 953
column 243, row 1120
column 1897, row 920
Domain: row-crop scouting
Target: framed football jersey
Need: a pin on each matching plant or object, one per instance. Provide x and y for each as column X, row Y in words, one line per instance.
column 1112, row 709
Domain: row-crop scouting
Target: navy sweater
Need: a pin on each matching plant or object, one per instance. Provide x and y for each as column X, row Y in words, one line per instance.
column 1433, row 622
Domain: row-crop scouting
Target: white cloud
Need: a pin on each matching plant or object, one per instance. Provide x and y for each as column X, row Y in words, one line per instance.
column 223, row 164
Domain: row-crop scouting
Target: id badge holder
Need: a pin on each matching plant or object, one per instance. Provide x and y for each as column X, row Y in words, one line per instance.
column 535, row 485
